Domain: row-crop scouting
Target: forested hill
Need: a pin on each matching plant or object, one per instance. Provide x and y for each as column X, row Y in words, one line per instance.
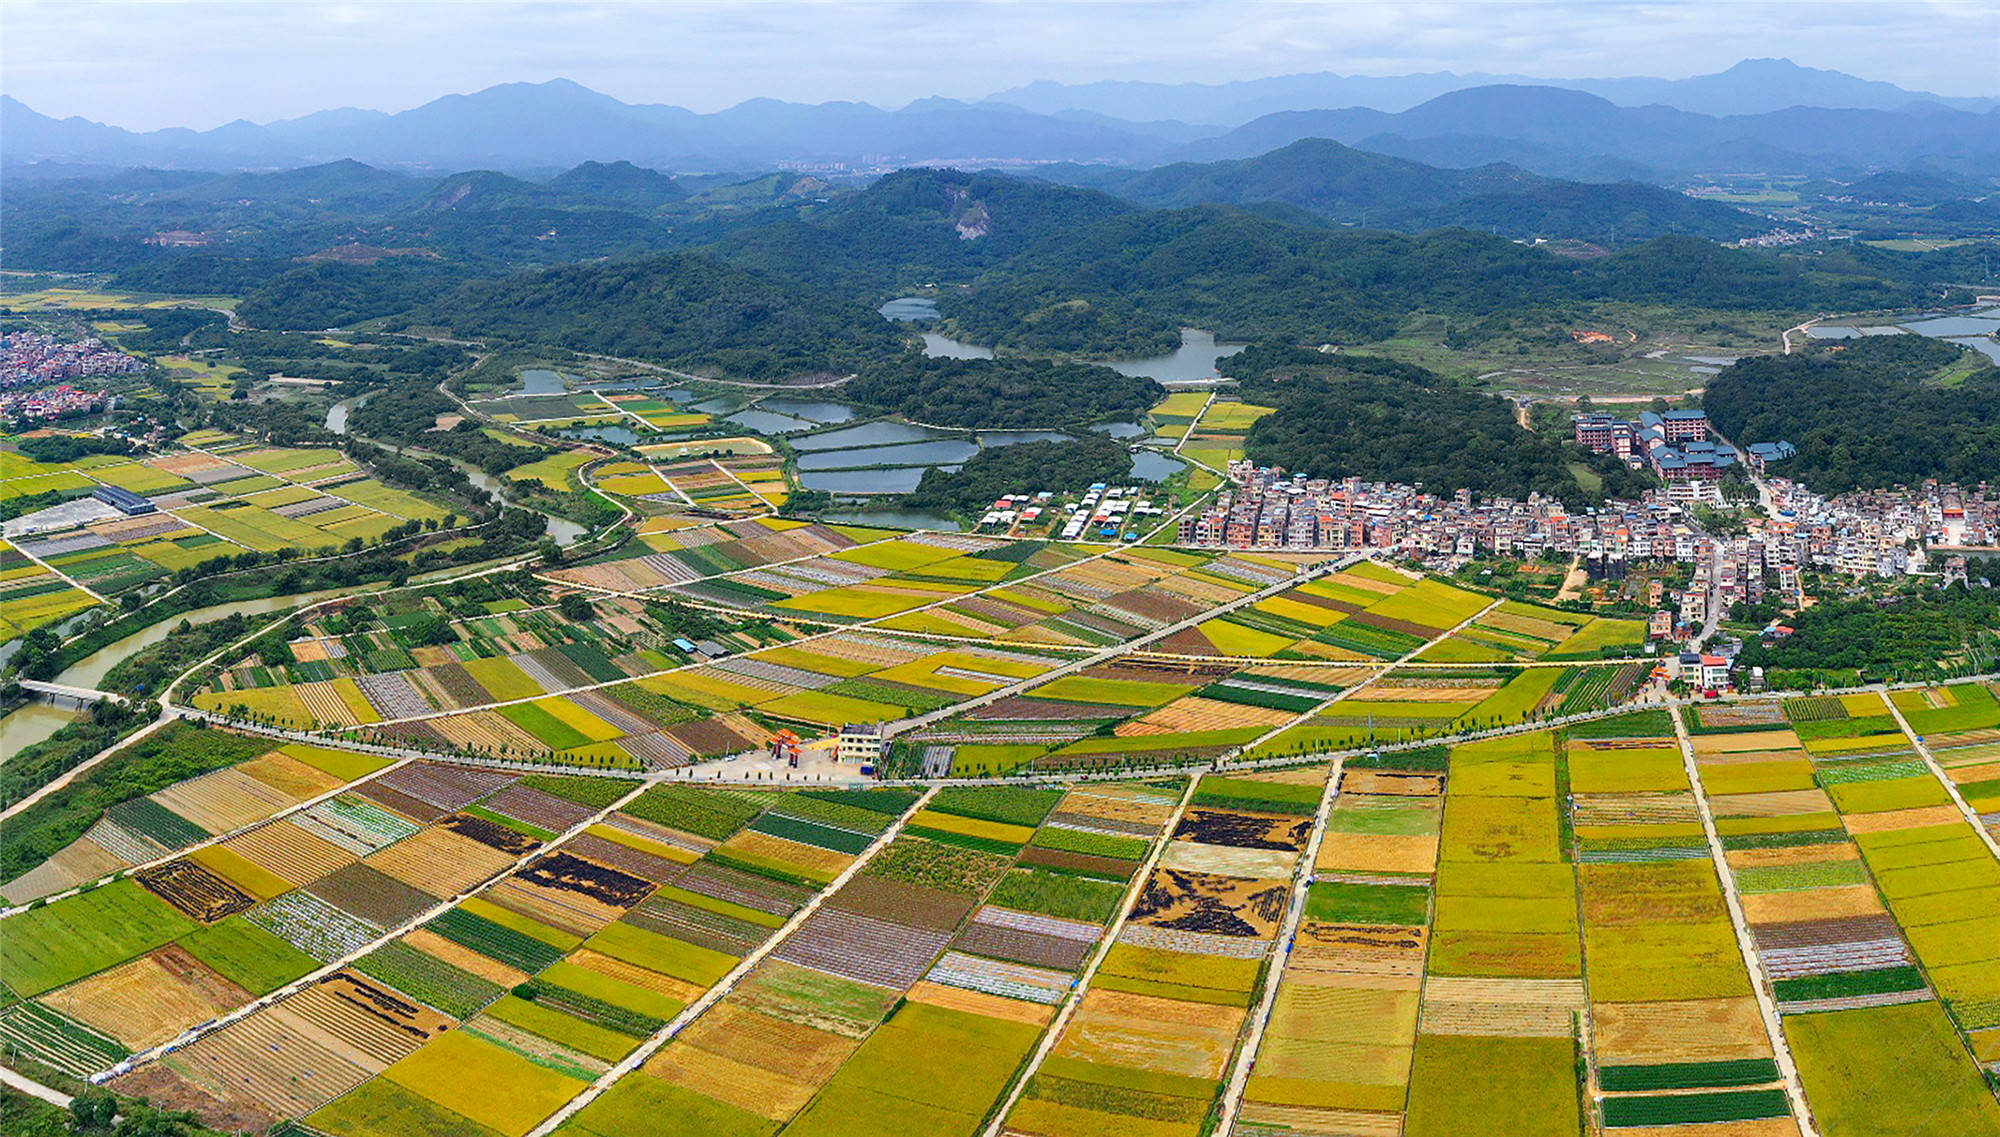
column 1867, row 416
column 918, row 227
column 1355, row 187
column 1345, row 416
column 1131, row 281
column 679, row 309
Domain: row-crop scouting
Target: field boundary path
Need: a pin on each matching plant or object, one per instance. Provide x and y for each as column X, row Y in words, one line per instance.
column 1281, row 954
column 1760, row 983
column 1074, row 999
column 727, row 983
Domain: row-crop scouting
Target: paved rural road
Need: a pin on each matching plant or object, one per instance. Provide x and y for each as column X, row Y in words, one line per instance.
column 28, row 1085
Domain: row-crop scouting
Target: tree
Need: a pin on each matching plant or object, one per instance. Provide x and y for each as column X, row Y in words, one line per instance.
column 93, row 1111
column 552, row 553
column 575, row 607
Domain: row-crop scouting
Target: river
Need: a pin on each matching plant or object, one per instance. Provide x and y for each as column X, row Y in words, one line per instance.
column 37, row 721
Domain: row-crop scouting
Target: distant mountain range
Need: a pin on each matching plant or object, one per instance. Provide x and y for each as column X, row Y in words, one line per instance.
column 1355, row 187
column 1754, row 86
column 543, row 128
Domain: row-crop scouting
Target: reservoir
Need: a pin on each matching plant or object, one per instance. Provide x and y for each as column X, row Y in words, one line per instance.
column 942, row 347
column 910, row 308
column 1194, row 359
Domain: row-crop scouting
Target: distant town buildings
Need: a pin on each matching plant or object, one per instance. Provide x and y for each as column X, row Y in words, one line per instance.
column 22, row 406
column 1879, row 533
column 31, row 358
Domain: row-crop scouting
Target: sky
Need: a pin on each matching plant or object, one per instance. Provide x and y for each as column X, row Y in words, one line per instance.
column 146, row 65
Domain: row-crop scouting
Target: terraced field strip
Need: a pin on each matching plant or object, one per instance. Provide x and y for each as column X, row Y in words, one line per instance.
column 1053, row 1033
column 1767, row 1007
column 219, row 838
column 1746, row 945
column 417, row 921
column 1380, row 670
column 728, row 982
column 1246, row 1053
column 1116, row 650
column 1938, row 772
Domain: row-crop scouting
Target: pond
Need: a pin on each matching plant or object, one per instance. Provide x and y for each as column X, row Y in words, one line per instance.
column 870, row 434
column 944, row 347
column 1153, row 466
column 621, row 435
column 1984, row 345
column 722, row 404
column 1194, row 359
column 910, row 308
column 765, row 422
column 1973, row 329
column 1013, row 437
column 541, row 381
column 820, row 412
column 1952, row 326
column 911, row 454
column 868, row 481
column 893, row 519
column 1120, row 429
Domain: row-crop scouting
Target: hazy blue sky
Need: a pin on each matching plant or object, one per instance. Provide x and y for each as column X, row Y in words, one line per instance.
column 147, row 65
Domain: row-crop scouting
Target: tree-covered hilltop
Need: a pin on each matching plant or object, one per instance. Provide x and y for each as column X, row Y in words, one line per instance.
column 678, row 309
column 916, row 228
column 1132, row 281
column 1009, row 392
column 1867, row 415
column 1028, row 467
column 1351, row 416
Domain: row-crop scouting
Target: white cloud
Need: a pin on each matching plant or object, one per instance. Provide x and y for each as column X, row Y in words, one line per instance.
column 147, row 65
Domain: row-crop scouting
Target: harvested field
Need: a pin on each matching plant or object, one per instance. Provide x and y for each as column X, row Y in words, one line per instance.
column 1700, row 1030
column 198, row 893
column 1361, row 947
column 1243, row 830
column 440, row 862
column 1142, row 1032
column 1216, row 905
column 381, row 1022
column 151, row 999
column 224, row 800
column 1223, row 860
column 491, row 834
column 282, row 847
